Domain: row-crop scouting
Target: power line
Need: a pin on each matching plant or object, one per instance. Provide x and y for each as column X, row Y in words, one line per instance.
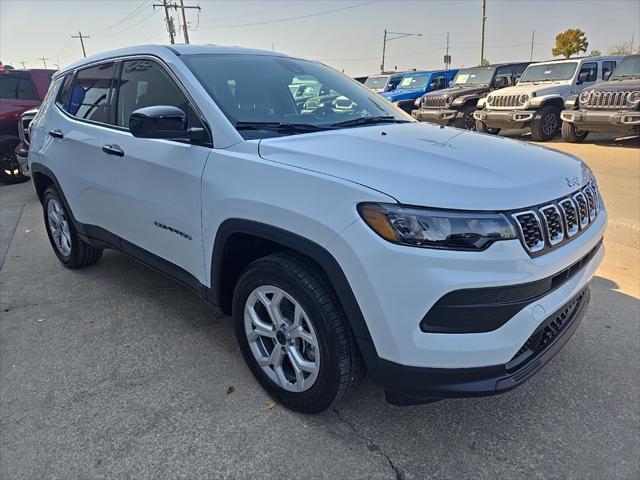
column 287, row 19
column 134, row 13
column 134, row 25
column 183, row 7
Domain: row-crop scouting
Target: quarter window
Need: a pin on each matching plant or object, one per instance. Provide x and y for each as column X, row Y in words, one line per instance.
column 591, row 71
column 144, row 83
column 87, row 95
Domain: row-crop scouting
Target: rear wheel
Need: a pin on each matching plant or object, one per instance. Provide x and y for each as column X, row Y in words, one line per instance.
column 72, row 251
column 545, row 124
column 9, row 167
column 465, row 119
column 571, row 134
column 293, row 333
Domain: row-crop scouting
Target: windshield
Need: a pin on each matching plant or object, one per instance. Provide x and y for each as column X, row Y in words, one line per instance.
column 628, row 67
column 412, row 82
column 474, row 76
column 377, row 83
column 261, row 94
column 549, row 72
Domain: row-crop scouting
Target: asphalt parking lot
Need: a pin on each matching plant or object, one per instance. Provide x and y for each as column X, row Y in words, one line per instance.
column 115, row 371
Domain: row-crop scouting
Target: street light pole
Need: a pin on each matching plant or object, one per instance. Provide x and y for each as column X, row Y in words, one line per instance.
column 484, row 18
column 388, row 37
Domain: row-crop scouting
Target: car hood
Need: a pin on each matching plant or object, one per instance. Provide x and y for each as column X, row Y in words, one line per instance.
column 616, row 86
column 423, row 164
column 402, row 94
column 454, row 92
column 541, row 89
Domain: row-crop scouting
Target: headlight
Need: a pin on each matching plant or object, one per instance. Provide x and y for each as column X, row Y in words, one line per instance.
column 447, row 100
column 584, row 96
column 524, row 98
column 417, row 102
column 634, row 97
column 489, row 99
column 421, row 227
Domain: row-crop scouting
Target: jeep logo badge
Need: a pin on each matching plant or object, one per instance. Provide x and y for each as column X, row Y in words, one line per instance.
column 572, row 181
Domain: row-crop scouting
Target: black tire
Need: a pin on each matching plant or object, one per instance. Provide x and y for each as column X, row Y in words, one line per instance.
column 482, row 128
column 571, row 134
column 545, row 124
column 465, row 119
column 8, row 160
column 81, row 254
column 340, row 367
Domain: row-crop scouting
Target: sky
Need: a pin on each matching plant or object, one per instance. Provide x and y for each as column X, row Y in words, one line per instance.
column 347, row 35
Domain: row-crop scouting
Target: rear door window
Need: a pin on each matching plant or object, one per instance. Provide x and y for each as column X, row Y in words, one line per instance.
column 87, row 95
column 17, row 86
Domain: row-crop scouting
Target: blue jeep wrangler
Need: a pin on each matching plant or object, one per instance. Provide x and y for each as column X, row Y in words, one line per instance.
column 415, row 84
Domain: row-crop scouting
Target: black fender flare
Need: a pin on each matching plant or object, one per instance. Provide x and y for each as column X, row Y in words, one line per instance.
column 315, row 252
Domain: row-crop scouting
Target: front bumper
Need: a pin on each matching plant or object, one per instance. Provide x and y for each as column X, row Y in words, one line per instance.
column 440, row 116
column 603, row 121
column 505, row 118
column 411, row 385
column 22, row 156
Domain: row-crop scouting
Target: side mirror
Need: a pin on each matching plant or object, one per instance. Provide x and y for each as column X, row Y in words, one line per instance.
column 162, row 121
column 500, row 82
column 606, row 75
column 451, row 83
column 582, row 77
column 432, row 85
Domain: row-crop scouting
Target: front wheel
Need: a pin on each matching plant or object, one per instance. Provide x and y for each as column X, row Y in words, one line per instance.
column 482, row 128
column 465, row 119
column 9, row 166
column 293, row 333
column 571, row 134
column 545, row 124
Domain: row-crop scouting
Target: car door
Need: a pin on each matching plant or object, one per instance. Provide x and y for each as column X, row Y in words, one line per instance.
column 151, row 195
column 587, row 75
column 73, row 136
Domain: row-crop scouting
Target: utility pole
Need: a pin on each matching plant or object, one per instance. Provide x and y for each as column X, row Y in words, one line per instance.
column 484, row 18
column 81, row 37
column 24, row 64
column 447, row 58
column 388, row 37
column 168, row 20
column 44, row 60
column 185, row 30
column 533, row 36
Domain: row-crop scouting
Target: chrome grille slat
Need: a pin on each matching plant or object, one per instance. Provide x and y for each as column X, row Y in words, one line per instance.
column 437, row 101
column 544, row 227
column 612, row 99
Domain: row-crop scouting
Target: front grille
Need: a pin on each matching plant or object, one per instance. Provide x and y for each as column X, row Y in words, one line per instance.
column 599, row 99
column 547, row 333
column 434, row 101
column 545, row 227
column 498, row 100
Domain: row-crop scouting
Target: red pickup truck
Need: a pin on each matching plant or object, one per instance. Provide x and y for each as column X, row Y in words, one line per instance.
column 20, row 90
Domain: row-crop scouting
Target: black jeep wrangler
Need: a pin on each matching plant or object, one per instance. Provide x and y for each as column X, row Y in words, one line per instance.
column 456, row 104
column 611, row 106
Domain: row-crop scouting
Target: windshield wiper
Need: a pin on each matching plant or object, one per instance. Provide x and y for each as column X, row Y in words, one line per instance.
column 368, row 121
column 280, row 126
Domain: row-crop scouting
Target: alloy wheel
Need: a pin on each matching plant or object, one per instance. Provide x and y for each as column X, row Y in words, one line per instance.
column 550, row 124
column 282, row 338
column 59, row 227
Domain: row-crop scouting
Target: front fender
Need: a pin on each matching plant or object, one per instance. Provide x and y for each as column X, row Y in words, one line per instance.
column 537, row 102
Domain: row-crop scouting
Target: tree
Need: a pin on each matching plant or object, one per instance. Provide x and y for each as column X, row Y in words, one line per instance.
column 485, row 62
column 570, row 42
column 595, row 53
column 622, row 48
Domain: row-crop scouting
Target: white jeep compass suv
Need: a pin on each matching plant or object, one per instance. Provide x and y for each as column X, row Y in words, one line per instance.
column 442, row 262
column 538, row 98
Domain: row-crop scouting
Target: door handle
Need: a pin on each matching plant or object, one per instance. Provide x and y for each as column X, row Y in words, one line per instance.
column 113, row 150
column 56, row 133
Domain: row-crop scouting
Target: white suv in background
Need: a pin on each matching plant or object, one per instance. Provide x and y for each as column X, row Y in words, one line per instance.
column 341, row 239
column 538, row 98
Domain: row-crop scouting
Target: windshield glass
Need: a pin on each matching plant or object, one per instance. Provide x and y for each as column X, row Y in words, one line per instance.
column 254, row 90
column 474, row 76
column 549, row 72
column 628, row 67
column 410, row 82
column 377, row 83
